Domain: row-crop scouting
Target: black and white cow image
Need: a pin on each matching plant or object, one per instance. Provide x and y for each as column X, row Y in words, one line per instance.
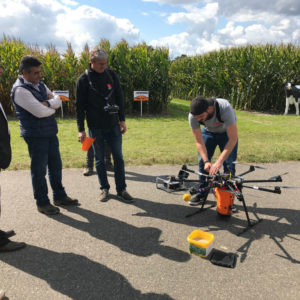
column 292, row 96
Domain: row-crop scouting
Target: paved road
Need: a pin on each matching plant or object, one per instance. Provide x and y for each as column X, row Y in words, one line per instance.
column 118, row 251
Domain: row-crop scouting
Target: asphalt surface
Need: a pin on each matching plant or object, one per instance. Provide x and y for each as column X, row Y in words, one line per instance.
column 115, row 250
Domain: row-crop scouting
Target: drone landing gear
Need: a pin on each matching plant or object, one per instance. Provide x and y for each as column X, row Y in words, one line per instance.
column 201, row 209
column 240, row 197
column 250, row 224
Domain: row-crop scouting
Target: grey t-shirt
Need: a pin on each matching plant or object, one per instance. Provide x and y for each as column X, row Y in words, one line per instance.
column 227, row 115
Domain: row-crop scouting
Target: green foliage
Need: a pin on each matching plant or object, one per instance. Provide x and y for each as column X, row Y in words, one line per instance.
column 11, row 52
column 140, row 68
column 250, row 77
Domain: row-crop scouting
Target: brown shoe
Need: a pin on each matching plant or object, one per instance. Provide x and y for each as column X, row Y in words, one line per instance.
column 66, row 201
column 104, row 195
column 2, row 295
column 48, row 209
column 12, row 246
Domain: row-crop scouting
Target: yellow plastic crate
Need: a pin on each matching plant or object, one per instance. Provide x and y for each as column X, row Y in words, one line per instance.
column 200, row 242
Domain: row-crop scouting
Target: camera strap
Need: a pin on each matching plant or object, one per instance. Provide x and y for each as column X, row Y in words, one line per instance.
column 106, row 97
column 218, row 115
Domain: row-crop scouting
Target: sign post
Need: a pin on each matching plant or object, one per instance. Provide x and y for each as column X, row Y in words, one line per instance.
column 141, row 96
column 64, row 96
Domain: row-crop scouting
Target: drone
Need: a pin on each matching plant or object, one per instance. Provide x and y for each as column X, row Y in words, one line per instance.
column 224, row 186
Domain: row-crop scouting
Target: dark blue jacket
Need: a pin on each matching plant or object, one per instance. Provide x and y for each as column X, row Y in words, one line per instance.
column 30, row 125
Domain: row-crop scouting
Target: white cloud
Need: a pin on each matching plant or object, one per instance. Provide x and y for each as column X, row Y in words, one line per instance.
column 45, row 22
column 199, row 20
column 224, row 23
column 70, row 2
column 174, row 2
column 207, row 24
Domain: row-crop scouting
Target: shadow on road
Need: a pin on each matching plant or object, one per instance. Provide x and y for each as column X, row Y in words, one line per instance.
column 75, row 275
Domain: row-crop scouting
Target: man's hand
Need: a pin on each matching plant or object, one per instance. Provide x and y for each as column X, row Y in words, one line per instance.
column 207, row 166
column 215, row 168
column 123, row 127
column 81, row 136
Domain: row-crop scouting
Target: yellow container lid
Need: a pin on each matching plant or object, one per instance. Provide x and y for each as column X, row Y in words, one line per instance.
column 200, row 238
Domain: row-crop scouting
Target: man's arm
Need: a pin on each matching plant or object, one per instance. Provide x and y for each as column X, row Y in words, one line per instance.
column 27, row 101
column 119, row 97
column 80, row 104
column 53, row 99
column 200, row 145
column 232, row 134
column 81, row 95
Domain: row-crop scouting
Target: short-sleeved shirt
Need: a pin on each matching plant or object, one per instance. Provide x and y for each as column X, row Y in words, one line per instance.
column 227, row 116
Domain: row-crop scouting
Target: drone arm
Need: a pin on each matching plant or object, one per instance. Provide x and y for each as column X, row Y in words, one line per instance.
column 274, row 179
column 251, row 169
column 276, row 189
column 185, row 168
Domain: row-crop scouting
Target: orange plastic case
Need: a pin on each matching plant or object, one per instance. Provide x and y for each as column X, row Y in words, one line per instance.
column 224, row 201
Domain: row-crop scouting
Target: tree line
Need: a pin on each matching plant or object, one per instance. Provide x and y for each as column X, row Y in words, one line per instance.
column 250, row 77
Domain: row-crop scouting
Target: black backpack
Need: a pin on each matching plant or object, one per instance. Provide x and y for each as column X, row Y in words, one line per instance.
column 5, row 149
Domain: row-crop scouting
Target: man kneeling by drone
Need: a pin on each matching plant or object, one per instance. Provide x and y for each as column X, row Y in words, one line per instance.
column 219, row 129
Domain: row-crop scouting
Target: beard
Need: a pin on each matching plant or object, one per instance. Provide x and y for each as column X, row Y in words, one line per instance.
column 209, row 116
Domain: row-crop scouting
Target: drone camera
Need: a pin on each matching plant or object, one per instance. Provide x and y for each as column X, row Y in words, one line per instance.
column 183, row 174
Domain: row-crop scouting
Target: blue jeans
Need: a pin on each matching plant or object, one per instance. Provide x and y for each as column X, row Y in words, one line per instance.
column 113, row 137
column 45, row 152
column 211, row 141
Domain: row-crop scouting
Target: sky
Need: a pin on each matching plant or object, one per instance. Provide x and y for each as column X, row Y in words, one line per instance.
column 186, row 27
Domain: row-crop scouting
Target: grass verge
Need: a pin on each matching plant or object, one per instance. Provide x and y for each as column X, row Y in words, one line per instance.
column 168, row 139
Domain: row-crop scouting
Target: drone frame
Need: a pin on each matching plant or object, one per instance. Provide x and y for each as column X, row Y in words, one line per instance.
column 231, row 184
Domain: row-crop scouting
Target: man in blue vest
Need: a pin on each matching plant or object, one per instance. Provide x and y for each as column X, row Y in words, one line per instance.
column 6, row 245
column 35, row 107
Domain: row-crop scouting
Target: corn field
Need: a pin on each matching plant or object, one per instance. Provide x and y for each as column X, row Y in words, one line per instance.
column 140, row 68
column 250, row 77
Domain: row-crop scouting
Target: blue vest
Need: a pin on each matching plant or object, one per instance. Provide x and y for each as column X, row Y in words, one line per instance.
column 30, row 125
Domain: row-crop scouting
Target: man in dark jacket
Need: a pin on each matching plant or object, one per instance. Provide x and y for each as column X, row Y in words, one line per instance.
column 35, row 107
column 6, row 245
column 99, row 99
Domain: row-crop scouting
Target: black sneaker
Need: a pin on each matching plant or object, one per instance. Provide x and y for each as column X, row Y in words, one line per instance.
column 48, row 209
column 88, row 172
column 195, row 201
column 66, row 201
column 125, row 197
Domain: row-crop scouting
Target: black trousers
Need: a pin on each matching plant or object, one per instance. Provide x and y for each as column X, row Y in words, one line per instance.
column 90, row 156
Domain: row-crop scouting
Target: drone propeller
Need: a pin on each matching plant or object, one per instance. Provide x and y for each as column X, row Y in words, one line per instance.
column 277, row 176
column 285, row 186
column 257, row 167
